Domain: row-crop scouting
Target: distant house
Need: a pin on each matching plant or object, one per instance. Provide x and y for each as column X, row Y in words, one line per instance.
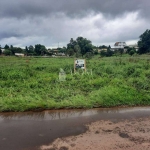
column 134, row 46
column 100, row 49
column 119, row 45
column 19, row 54
column 55, row 51
column 60, row 54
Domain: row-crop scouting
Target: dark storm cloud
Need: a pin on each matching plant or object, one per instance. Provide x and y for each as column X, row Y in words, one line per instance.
column 29, row 22
column 8, row 34
column 24, row 8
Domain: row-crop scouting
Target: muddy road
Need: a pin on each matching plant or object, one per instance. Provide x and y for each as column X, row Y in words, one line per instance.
column 31, row 131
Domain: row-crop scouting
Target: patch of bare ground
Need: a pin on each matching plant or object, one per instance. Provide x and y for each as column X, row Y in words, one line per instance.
column 107, row 135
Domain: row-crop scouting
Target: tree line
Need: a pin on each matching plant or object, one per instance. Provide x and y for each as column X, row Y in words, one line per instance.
column 81, row 47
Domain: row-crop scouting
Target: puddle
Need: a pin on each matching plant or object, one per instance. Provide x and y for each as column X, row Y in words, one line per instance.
column 28, row 130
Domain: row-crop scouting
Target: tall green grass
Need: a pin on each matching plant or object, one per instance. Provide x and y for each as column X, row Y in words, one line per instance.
column 33, row 83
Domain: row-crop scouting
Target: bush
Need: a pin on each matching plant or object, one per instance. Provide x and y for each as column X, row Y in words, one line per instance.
column 7, row 52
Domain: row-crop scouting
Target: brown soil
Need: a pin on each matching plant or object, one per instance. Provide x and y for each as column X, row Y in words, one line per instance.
column 106, row 135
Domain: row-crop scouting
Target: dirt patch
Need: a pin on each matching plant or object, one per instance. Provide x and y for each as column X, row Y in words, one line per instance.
column 107, row 135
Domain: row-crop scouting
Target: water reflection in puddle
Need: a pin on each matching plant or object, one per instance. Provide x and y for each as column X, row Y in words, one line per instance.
column 65, row 114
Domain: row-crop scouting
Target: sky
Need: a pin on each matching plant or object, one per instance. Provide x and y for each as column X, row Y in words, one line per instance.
column 54, row 22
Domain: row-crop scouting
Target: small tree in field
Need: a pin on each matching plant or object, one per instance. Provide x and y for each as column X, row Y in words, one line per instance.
column 131, row 52
column 103, row 53
column 121, row 50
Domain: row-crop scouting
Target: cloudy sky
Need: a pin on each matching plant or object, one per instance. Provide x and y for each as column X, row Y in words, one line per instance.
column 49, row 22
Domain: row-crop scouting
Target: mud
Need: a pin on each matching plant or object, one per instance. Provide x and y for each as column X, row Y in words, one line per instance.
column 31, row 130
column 107, row 135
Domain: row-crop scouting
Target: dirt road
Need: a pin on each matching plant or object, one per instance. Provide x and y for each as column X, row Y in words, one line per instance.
column 133, row 134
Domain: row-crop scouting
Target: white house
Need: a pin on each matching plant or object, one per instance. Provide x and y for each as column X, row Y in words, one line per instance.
column 119, row 45
column 19, row 54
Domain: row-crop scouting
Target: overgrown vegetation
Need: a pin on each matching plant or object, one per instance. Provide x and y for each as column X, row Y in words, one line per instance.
column 33, row 83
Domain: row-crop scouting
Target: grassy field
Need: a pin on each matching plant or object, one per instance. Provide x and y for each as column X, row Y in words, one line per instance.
column 33, row 83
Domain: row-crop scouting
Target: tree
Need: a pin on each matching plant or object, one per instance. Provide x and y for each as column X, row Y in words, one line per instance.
column 63, row 50
column 85, row 45
column 131, row 52
column 80, row 45
column 88, row 55
column 26, row 50
column 11, row 46
column 103, row 47
column 12, row 50
column 144, row 42
column 16, row 50
column 70, row 52
column 71, row 44
column 116, row 52
column 7, row 52
column 103, row 53
column 109, row 52
column 31, row 50
column 43, row 50
column 96, row 52
column 121, row 50
column 128, row 49
column 6, row 47
column 77, row 50
column 40, row 49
